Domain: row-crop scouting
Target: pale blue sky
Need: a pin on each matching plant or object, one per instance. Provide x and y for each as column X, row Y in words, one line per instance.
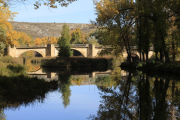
column 81, row 11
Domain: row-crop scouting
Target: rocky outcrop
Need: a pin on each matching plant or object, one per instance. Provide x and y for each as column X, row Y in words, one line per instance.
column 38, row 30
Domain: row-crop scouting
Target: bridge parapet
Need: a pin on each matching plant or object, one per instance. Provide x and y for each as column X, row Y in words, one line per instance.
column 136, row 47
column 79, row 45
column 101, row 46
column 75, row 45
column 30, row 46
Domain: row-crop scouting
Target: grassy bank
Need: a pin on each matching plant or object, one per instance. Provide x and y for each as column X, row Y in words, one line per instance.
column 16, row 88
column 11, row 67
column 155, row 67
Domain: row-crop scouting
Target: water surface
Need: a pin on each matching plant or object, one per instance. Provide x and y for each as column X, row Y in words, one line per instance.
column 102, row 95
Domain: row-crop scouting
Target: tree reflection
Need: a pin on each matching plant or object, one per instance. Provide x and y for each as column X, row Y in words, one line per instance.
column 139, row 96
column 2, row 115
column 64, row 89
column 22, row 91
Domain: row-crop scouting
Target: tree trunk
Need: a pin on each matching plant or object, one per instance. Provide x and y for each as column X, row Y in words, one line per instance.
column 147, row 39
column 173, row 51
column 166, row 56
column 156, row 56
column 143, row 56
column 147, row 57
column 161, row 55
column 165, row 50
column 140, row 40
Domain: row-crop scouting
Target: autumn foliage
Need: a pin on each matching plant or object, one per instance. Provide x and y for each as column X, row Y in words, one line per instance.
column 9, row 36
column 78, row 37
column 45, row 40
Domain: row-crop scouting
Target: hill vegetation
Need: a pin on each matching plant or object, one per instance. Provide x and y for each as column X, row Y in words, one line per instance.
column 39, row 30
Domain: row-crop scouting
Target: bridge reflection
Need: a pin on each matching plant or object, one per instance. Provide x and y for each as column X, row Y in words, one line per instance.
column 90, row 76
column 48, row 76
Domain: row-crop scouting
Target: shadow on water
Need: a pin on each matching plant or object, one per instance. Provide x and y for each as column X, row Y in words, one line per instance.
column 22, row 91
column 139, row 96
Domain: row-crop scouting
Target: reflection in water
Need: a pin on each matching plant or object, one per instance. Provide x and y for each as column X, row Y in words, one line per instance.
column 68, row 77
column 123, row 95
column 22, row 91
column 2, row 115
column 139, row 96
column 64, row 89
column 66, row 80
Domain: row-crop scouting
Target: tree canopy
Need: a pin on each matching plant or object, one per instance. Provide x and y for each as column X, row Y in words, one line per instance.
column 143, row 23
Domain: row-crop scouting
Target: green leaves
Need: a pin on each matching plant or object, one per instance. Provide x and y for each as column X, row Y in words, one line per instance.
column 64, row 42
column 2, row 41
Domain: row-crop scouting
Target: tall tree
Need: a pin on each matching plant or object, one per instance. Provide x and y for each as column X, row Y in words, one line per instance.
column 64, row 42
column 117, row 22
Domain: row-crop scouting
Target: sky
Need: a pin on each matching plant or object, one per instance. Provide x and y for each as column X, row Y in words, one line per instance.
column 80, row 11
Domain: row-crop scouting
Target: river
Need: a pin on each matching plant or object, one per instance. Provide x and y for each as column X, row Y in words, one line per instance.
column 103, row 95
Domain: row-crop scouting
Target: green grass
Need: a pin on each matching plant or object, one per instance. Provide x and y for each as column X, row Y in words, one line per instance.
column 16, row 88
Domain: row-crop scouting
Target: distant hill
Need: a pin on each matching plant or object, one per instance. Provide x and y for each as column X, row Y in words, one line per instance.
column 38, row 30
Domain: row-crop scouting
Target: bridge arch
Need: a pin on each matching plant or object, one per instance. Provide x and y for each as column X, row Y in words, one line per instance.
column 135, row 52
column 20, row 52
column 150, row 54
column 77, row 53
column 81, row 50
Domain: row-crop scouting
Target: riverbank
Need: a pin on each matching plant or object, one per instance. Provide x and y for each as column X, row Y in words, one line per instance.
column 11, row 67
column 74, row 62
column 155, row 67
column 16, row 88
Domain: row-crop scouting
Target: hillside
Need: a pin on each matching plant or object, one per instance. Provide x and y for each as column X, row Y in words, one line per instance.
column 38, row 30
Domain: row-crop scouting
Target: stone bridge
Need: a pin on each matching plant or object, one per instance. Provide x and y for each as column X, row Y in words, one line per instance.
column 51, row 50
column 134, row 50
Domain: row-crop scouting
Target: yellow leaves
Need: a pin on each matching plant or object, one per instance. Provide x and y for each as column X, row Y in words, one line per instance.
column 6, row 14
column 77, row 36
column 109, row 10
column 17, row 38
column 106, row 9
column 37, row 41
column 11, row 38
column 53, row 40
column 25, row 39
column 45, row 40
column 1, row 1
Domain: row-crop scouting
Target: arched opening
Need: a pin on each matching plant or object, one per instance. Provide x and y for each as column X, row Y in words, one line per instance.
column 134, row 57
column 77, row 53
column 30, row 54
